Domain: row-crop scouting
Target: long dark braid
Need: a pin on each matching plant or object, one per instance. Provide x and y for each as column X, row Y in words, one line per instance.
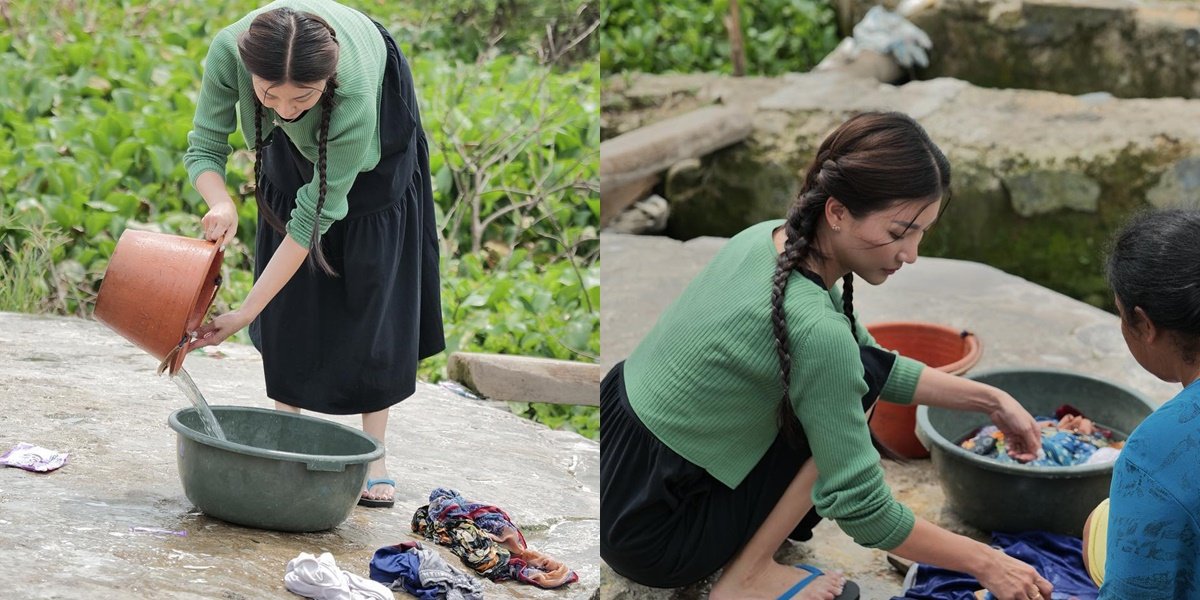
column 848, row 301
column 314, row 242
column 801, row 231
column 264, row 210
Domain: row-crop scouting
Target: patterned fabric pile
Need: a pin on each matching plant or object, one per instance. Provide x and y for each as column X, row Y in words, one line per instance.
column 486, row 540
column 1068, row 439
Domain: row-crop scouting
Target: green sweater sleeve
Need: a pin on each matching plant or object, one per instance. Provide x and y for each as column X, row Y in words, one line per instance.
column 827, row 392
column 902, row 382
column 351, row 126
column 215, row 118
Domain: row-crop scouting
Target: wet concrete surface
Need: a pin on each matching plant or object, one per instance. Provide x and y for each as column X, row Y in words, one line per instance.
column 1020, row 324
column 72, row 385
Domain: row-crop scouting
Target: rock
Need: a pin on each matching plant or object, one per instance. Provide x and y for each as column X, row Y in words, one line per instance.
column 616, row 200
column 633, row 156
column 508, row 378
column 630, row 101
column 1133, row 49
column 1179, row 186
column 648, row 216
column 1040, row 192
column 1040, row 180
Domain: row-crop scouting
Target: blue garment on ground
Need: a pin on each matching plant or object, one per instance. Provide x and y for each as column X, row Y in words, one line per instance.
column 396, row 563
column 1059, row 558
column 1153, row 549
column 421, row 572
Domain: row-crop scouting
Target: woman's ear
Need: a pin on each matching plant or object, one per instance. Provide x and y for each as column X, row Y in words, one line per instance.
column 1143, row 327
column 836, row 213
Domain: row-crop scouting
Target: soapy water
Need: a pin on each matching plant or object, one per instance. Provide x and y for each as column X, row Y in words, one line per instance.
column 185, row 383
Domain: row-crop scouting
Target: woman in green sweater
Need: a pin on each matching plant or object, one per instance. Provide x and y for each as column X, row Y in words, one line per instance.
column 342, row 179
column 743, row 408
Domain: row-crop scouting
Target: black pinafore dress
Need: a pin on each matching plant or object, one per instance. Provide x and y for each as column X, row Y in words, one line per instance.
column 350, row 344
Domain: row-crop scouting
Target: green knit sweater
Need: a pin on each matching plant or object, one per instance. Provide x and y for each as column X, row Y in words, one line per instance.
column 706, row 382
column 353, row 145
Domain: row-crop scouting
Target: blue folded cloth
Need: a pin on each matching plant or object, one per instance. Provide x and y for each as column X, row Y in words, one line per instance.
column 1058, row 558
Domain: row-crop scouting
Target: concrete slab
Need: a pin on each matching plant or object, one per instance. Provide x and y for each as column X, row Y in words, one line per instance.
column 507, row 378
column 73, row 385
column 1019, row 324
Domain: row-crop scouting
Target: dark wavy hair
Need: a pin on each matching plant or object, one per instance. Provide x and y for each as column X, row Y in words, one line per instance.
column 289, row 46
column 1154, row 264
column 870, row 163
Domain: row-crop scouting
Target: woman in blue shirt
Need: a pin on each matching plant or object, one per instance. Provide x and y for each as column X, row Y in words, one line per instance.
column 1153, row 526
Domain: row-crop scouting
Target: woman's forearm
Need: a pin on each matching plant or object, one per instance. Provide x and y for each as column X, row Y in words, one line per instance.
column 938, row 388
column 280, row 269
column 1002, row 575
column 212, row 188
column 932, row 545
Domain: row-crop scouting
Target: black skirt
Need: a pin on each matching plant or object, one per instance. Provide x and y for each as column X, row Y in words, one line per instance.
column 665, row 521
column 350, row 344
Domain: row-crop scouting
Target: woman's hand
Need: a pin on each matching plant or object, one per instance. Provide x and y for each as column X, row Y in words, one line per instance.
column 220, row 223
column 280, row 268
column 219, row 329
column 1010, row 579
column 1022, row 434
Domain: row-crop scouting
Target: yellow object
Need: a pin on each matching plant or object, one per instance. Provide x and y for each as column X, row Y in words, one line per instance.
column 1095, row 542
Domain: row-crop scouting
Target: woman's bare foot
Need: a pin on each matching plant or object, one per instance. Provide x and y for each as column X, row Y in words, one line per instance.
column 771, row 582
column 379, row 491
column 375, row 425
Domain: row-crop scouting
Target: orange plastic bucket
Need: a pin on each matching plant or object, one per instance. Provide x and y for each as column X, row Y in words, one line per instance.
column 157, row 288
column 947, row 349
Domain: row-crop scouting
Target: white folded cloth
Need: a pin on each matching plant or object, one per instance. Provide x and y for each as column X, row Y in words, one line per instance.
column 319, row 578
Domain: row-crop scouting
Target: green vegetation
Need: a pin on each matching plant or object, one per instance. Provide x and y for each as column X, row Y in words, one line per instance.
column 97, row 98
column 779, row 36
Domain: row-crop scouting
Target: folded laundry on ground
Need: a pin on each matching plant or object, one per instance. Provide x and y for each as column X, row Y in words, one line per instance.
column 486, row 540
column 33, row 458
column 321, row 579
column 1058, row 558
column 422, row 572
column 1068, row 439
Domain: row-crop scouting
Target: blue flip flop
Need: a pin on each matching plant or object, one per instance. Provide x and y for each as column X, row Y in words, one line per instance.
column 849, row 592
column 374, row 503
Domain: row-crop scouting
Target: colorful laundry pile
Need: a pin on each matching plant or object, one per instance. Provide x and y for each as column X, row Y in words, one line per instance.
column 487, row 541
column 422, row 572
column 1068, row 439
column 1058, row 558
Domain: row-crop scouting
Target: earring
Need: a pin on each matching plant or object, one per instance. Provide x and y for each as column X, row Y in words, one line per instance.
column 837, row 227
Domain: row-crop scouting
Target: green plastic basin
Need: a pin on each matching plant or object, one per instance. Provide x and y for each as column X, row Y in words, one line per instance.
column 1010, row 498
column 276, row 470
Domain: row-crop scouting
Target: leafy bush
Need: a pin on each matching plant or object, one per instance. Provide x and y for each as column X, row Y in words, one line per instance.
column 96, row 103
column 554, row 31
column 779, row 36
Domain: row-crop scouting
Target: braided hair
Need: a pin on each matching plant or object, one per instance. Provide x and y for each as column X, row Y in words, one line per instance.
column 869, row 163
column 289, row 46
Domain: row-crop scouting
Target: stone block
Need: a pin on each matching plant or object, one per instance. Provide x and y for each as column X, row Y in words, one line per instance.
column 526, row 378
